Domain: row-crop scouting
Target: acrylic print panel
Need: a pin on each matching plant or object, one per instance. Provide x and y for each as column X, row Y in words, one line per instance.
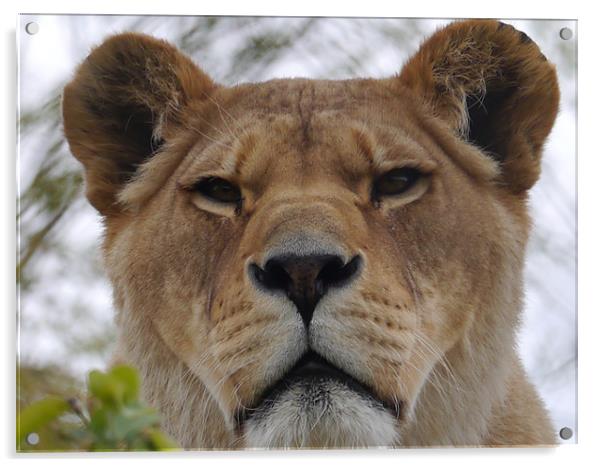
column 342, row 260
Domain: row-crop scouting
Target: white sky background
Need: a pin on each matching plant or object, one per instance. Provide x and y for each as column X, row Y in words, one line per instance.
column 548, row 338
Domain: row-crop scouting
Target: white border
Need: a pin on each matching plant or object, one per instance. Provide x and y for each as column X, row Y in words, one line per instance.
column 589, row 171
column 458, row 9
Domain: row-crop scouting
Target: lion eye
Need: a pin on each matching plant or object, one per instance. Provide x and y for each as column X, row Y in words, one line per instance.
column 396, row 181
column 218, row 189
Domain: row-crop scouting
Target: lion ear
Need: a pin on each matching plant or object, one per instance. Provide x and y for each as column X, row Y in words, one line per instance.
column 125, row 99
column 491, row 84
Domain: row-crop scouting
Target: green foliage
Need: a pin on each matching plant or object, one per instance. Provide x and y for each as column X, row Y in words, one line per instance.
column 39, row 414
column 114, row 418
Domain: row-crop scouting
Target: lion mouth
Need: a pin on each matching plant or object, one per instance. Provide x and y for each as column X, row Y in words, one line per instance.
column 310, row 370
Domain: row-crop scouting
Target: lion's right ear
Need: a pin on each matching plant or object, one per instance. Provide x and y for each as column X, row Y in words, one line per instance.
column 124, row 100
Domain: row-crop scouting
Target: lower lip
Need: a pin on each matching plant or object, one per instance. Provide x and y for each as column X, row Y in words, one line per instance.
column 314, row 369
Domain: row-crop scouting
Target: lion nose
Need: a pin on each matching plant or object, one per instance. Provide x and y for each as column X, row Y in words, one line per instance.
column 306, row 279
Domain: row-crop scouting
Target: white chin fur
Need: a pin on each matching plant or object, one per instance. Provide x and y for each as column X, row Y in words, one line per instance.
column 319, row 414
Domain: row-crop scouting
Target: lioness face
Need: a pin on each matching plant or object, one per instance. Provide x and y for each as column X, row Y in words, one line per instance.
column 309, row 242
column 311, row 250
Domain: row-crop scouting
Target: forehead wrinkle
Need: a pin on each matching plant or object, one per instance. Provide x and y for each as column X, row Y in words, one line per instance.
column 396, row 145
column 243, row 148
column 365, row 143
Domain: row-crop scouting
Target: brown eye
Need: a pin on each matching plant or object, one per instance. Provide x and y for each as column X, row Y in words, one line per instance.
column 218, row 189
column 396, row 182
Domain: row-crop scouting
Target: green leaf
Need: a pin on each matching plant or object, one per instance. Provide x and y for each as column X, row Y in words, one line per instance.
column 160, row 441
column 117, row 419
column 130, row 421
column 105, row 387
column 99, row 422
column 129, row 379
column 39, row 414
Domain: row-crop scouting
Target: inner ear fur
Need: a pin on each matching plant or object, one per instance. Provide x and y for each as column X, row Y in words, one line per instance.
column 126, row 98
column 492, row 85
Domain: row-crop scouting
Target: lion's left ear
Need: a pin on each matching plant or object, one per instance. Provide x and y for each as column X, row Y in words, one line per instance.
column 494, row 88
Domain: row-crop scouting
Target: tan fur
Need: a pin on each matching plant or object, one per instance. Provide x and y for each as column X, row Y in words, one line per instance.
column 429, row 324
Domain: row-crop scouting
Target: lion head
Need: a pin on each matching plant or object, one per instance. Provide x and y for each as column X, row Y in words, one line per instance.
column 321, row 263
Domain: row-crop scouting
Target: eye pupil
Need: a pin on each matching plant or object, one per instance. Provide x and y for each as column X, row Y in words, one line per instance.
column 218, row 189
column 396, row 181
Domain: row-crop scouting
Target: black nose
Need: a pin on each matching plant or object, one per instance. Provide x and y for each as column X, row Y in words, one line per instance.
column 305, row 279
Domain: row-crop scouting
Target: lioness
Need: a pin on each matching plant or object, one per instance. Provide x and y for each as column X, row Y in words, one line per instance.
column 314, row 263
